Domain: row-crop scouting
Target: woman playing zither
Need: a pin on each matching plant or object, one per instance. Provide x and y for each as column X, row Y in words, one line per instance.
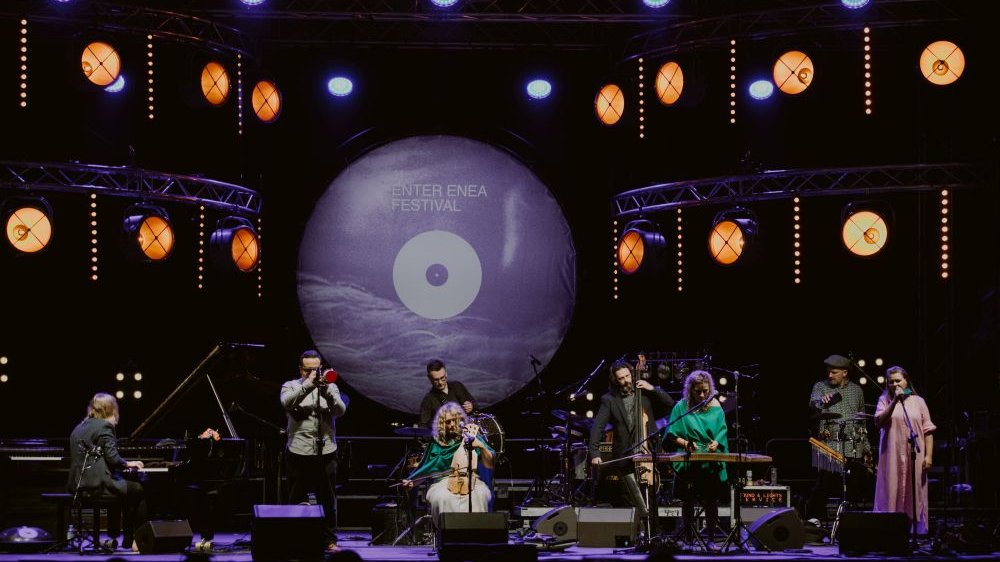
column 448, row 460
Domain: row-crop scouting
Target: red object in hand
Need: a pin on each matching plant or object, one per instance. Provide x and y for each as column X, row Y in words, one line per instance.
column 330, row 376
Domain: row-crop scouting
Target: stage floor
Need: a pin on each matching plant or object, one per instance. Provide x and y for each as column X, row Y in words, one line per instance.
column 236, row 548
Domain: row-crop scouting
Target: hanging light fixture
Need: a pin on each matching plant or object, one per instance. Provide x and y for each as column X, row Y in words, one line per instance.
column 28, row 223
column 942, row 62
column 641, row 247
column 865, row 227
column 234, row 246
column 793, row 72
column 732, row 237
column 147, row 234
column 100, row 63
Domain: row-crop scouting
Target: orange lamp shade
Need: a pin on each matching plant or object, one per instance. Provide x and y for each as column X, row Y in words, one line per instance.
column 865, row 233
column 100, row 63
column 631, row 250
column 245, row 249
column 610, row 104
column 29, row 229
column 156, row 238
column 669, row 83
column 725, row 242
column 942, row 62
column 793, row 72
column 215, row 83
column 266, row 101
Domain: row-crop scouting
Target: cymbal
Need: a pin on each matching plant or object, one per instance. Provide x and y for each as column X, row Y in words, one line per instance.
column 576, row 420
column 826, row 416
column 412, row 431
column 558, row 430
column 862, row 416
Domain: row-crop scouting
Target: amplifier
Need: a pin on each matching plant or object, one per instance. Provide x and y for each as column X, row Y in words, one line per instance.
column 760, row 500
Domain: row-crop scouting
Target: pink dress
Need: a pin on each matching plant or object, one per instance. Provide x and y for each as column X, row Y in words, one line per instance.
column 893, row 488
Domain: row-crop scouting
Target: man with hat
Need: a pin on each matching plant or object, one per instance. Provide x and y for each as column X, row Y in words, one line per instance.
column 838, row 405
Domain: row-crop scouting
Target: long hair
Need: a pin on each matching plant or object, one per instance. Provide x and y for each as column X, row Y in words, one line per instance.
column 888, row 385
column 447, row 410
column 103, row 406
column 697, row 377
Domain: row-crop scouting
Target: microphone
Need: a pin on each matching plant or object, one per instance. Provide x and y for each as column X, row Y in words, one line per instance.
column 96, row 450
column 534, row 360
column 707, row 400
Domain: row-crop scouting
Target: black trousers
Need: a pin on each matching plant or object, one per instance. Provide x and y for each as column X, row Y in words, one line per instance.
column 697, row 485
column 316, row 474
column 130, row 514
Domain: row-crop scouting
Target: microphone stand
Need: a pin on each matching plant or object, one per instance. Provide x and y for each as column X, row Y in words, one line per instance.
column 914, row 449
column 735, row 540
column 468, row 449
column 585, row 382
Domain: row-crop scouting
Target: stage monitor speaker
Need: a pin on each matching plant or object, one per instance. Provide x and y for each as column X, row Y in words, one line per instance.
column 163, row 537
column 778, row 530
column 473, row 528
column 860, row 532
column 608, row 527
column 287, row 532
column 559, row 523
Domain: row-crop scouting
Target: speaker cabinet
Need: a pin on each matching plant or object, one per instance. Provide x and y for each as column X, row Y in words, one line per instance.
column 607, row 527
column 778, row 530
column 287, row 532
column 559, row 523
column 163, row 537
column 473, row 528
column 860, row 532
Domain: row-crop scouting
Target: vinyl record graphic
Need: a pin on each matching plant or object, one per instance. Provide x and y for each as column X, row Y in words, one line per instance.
column 436, row 247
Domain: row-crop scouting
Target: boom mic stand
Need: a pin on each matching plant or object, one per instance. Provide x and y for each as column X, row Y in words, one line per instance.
column 914, row 449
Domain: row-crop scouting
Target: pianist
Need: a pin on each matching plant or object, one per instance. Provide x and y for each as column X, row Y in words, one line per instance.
column 311, row 405
column 703, row 430
column 96, row 469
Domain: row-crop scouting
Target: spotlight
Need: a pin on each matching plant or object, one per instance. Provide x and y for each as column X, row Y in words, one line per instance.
column 880, row 379
column 865, row 230
column 942, row 62
column 761, row 89
column 120, row 377
column 793, row 72
column 863, row 381
column 147, row 234
column 669, row 83
column 252, row 3
column 609, row 104
column 234, row 245
column 590, row 396
column 655, row 3
column 641, row 247
column 732, row 236
column 28, row 222
column 116, row 86
column 215, row 83
column 878, row 361
column 539, row 89
column 854, row 4
column 862, row 363
column 444, row 3
column 723, row 381
column 266, row 101
column 340, row 86
column 100, row 63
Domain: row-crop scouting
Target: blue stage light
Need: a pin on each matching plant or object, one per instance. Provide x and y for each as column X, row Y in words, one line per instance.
column 444, row 3
column 253, row 2
column 655, row 3
column 761, row 89
column 340, row 86
column 855, row 4
column 116, row 86
column 539, row 89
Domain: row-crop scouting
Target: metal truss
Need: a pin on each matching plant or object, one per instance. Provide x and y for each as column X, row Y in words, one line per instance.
column 133, row 18
column 793, row 18
column 128, row 182
column 782, row 184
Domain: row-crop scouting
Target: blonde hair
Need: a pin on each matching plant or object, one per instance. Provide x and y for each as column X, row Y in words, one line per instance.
column 697, row 377
column 447, row 410
column 103, row 406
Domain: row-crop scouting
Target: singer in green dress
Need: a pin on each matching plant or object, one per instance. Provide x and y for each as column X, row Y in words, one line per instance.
column 703, row 430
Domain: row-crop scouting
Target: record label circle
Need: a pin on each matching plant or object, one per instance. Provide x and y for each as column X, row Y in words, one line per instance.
column 437, row 274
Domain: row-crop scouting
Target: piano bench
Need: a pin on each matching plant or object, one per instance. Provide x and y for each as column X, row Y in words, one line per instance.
column 61, row 501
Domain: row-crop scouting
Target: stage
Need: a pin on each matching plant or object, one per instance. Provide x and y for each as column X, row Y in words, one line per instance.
column 236, row 547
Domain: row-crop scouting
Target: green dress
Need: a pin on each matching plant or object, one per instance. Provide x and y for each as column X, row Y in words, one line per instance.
column 701, row 427
column 438, row 457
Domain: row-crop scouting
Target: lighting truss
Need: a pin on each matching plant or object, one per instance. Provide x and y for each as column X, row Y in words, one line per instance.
column 782, row 184
column 128, row 181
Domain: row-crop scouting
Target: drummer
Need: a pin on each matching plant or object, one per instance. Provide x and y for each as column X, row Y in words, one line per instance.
column 443, row 391
column 839, row 407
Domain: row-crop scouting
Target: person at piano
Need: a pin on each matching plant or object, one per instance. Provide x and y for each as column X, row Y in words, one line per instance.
column 311, row 405
column 894, row 484
column 441, row 392
column 96, row 468
column 446, row 461
column 701, row 431
column 838, row 406
column 620, row 407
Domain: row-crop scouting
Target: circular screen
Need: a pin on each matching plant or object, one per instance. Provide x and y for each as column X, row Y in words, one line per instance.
column 436, row 247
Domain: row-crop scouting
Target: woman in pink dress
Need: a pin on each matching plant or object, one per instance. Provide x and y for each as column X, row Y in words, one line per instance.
column 893, row 486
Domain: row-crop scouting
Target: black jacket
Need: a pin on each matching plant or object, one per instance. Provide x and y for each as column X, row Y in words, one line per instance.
column 94, row 453
column 656, row 403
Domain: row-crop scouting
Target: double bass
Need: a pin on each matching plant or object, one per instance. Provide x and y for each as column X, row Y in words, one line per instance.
column 645, row 472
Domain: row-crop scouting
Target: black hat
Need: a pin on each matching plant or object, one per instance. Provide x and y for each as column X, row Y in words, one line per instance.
column 837, row 361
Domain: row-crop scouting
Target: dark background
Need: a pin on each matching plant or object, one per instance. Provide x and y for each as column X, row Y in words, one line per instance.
column 66, row 336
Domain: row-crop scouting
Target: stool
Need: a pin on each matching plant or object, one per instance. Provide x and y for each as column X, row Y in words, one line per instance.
column 96, row 504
